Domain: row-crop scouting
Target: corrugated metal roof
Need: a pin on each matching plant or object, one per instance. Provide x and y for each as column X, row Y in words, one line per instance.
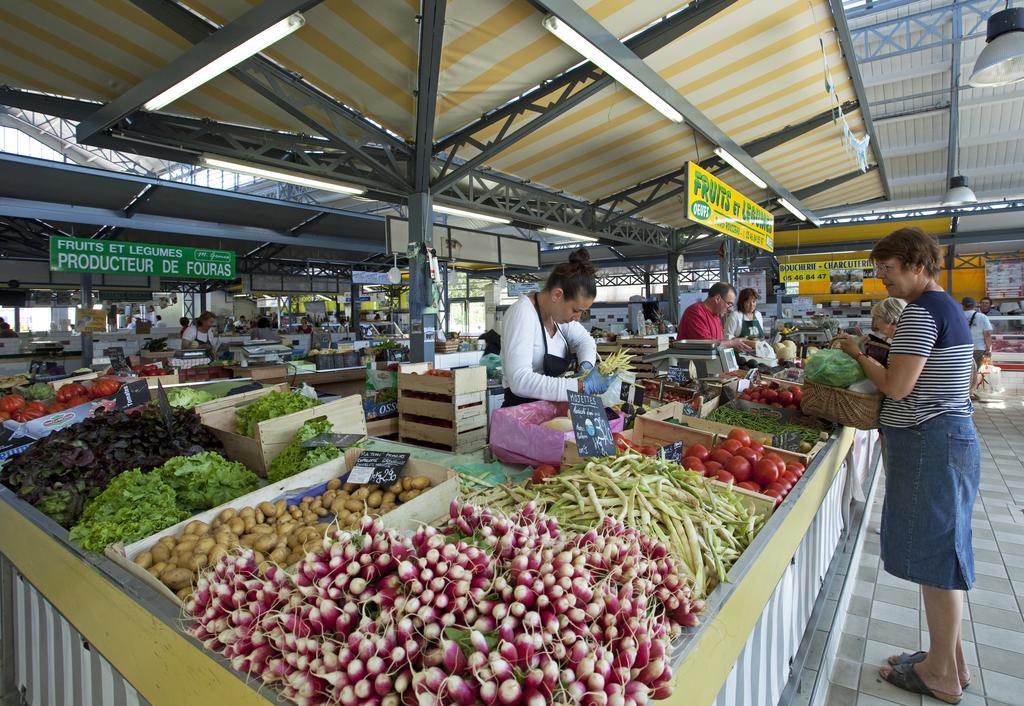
column 754, row 69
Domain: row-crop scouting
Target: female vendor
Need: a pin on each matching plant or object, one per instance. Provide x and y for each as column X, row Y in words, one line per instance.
column 542, row 335
column 746, row 321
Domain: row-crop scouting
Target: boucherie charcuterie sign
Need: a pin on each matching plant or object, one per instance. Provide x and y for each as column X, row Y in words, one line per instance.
column 109, row 257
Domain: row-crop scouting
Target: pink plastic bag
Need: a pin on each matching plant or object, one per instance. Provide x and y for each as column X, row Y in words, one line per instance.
column 517, row 434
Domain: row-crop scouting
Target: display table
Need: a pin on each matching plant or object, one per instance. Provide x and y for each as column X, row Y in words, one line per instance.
column 75, row 623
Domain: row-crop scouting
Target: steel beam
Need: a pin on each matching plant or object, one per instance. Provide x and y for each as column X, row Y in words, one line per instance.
column 345, row 127
column 557, row 96
column 920, row 30
column 822, row 186
column 954, row 96
column 846, row 44
column 593, row 31
column 204, row 52
column 64, row 213
column 429, row 70
column 608, row 208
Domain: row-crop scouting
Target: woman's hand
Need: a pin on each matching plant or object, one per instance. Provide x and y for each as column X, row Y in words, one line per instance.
column 850, row 345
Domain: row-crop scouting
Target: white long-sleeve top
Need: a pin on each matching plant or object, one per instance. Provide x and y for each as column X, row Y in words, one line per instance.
column 522, row 353
column 734, row 323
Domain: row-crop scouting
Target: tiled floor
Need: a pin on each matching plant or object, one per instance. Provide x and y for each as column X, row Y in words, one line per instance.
column 886, row 614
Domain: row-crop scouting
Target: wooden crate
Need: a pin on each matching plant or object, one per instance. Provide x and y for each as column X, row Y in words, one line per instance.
column 465, row 412
column 165, row 380
column 648, row 430
column 238, row 400
column 272, row 435
column 382, row 427
column 431, row 507
column 57, row 384
column 412, row 377
column 450, row 439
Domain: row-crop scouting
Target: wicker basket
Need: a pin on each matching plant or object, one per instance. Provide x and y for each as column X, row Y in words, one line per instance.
column 853, row 409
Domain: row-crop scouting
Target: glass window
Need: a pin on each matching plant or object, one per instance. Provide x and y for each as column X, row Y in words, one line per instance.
column 477, row 319
column 457, row 317
column 35, row 318
column 478, row 287
column 457, row 284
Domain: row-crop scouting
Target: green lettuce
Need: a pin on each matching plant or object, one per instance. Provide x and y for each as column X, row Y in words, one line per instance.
column 206, row 480
column 134, row 505
column 187, row 398
column 270, row 406
column 295, row 459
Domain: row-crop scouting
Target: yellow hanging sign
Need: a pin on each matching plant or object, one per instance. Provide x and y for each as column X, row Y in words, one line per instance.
column 712, row 202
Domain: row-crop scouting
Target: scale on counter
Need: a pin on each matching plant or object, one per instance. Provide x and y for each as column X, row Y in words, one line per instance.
column 708, row 357
column 261, row 352
column 192, row 354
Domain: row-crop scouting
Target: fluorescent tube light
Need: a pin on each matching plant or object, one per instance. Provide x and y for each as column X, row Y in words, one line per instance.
column 452, row 211
column 231, row 165
column 792, row 209
column 741, row 168
column 253, row 45
column 567, row 234
column 583, row 46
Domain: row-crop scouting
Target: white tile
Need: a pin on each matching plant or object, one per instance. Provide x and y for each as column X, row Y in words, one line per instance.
column 999, row 637
column 1003, row 687
column 894, row 614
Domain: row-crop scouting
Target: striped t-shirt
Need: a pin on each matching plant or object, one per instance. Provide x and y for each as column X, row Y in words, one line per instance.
column 933, row 326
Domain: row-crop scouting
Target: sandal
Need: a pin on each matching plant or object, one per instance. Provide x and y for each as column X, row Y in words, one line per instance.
column 914, row 658
column 904, row 676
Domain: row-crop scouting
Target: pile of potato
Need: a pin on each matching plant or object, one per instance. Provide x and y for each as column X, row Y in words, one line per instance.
column 276, row 531
column 350, row 502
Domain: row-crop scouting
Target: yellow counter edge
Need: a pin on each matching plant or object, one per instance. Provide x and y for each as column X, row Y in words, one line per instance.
column 159, row 662
column 167, row 669
column 719, row 643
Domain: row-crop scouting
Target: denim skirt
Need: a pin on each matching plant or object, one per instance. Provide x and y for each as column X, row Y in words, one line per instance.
column 932, row 472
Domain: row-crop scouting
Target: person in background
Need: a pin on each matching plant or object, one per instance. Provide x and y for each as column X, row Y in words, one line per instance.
column 745, row 321
column 702, row 321
column 264, row 331
column 6, row 331
column 981, row 334
column 305, row 326
column 242, row 325
column 151, row 316
column 542, row 330
column 884, row 316
column 932, row 457
column 985, row 306
column 183, row 322
column 202, row 334
column 159, row 321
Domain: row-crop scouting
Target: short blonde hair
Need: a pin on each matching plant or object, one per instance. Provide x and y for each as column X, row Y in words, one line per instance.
column 889, row 309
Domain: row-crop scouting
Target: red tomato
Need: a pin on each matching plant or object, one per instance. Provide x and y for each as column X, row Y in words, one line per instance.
column 784, row 483
column 77, row 400
column 720, row 455
column 750, row 485
column 725, row 476
column 777, row 460
column 4, row 416
column 790, row 477
column 796, row 467
column 739, row 467
column 773, row 493
column 798, row 394
column 699, row 452
column 786, row 397
column 712, row 467
column 741, row 436
column 649, row 450
column 731, row 445
column 694, row 464
column 542, row 473
column 771, row 395
column 765, row 472
column 778, row 487
column 749, row 454
column 757, row 447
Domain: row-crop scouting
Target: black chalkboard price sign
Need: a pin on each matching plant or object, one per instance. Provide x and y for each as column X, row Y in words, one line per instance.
column 118, row 362
column 590, row 425
column 378, row 467
column 677, row 374
column 787, row 441
column 674, row 451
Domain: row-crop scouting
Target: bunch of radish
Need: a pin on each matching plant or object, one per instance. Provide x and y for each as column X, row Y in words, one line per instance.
column 493, row 609
column 745, row 462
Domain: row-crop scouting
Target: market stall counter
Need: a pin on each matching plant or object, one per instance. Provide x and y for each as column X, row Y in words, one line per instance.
column 80, row 629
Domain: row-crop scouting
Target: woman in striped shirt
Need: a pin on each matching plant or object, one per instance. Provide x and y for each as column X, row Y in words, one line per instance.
column 932, row 457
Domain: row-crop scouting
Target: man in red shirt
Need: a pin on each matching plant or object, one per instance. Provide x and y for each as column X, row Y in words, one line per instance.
column 702, row 321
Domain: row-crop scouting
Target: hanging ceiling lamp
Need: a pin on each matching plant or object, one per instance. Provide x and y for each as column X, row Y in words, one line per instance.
column 959, row 193
column 1001, row 62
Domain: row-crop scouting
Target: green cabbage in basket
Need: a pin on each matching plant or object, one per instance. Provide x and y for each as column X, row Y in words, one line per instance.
column 834, row 368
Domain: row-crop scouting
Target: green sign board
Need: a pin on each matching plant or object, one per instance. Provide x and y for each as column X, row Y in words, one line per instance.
column 111, row 257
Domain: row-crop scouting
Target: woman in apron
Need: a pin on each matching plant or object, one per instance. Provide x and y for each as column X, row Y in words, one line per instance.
column 542, row 338
column 746, row 321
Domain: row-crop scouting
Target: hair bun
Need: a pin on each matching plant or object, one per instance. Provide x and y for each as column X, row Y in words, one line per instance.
column 579, row 256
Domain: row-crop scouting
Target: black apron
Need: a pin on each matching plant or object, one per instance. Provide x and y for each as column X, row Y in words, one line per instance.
column 554, row 366
column 751, row 328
